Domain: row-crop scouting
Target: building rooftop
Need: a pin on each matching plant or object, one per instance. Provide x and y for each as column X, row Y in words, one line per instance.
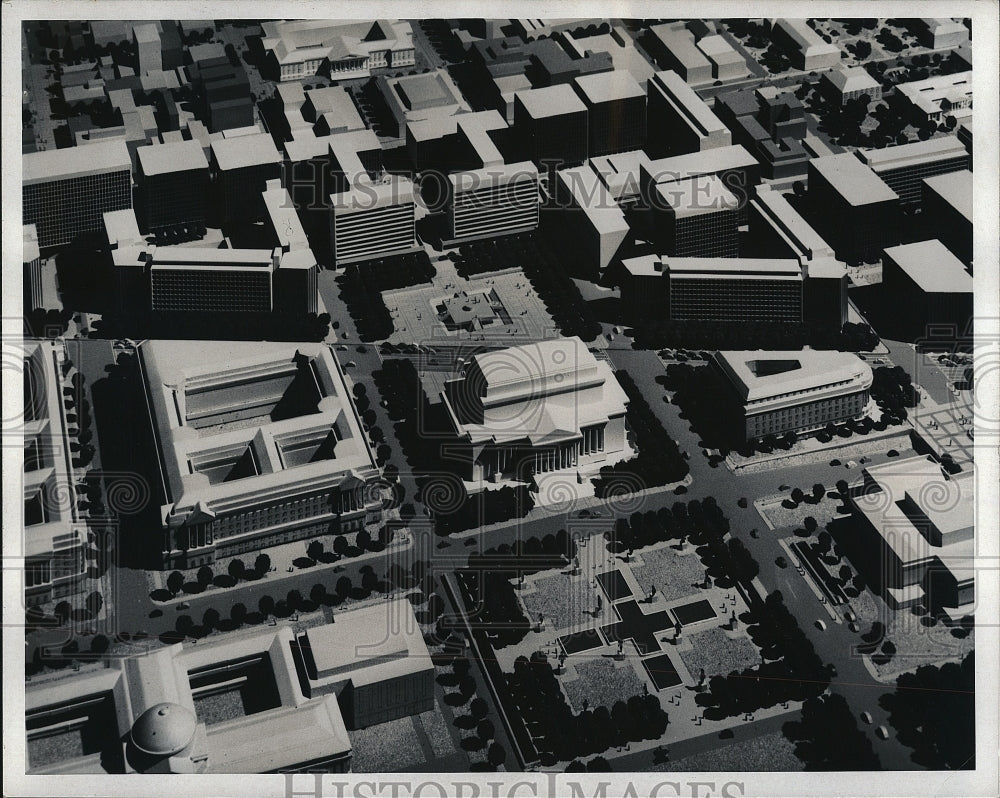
column 109, row 156
column 696, row 195
column 231, row 422
column 719, row 50
column 121, row 229
column 914, row 153
column 806, row 39
column 955, row 188
column 852, row 179
column 694, row 109
column 653, row 265
column 795, row 230
column 711, row 161
column 550, row 101
column 758, row 375
column 594, row 198
column 680, row 42
column 604, row 87
column 180, row 156
column 369, row 644
column 848, row 79
column 146, row 33
column 620, row 172
column 238, row 152
column 920, row 513
column 932, row 267
column 539, row 392
column 336, row 103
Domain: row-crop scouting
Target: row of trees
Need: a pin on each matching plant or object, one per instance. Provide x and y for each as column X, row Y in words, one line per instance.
column 565, row 736
column 827, row 736
column 697, row 520
column 500, row 612
column 659, row 461
column 790, row 670
column 483, row 508
column 527, row 556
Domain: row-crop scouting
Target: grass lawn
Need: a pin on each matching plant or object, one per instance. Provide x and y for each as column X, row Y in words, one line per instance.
column 920, row 641
column 602, row 684
column 386, row 747
column 49, row 750
column 771, row 752
column 824, row 512
column 675, row 575
column 717, row 653
column 220, row 707
column 565, row 602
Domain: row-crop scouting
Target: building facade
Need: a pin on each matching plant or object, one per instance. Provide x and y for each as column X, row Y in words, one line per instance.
column 54, row 537
column 772, row 392
column 946, row 203
column 697, row 218
column 495, row 201
column 856, row 212
column 242, row 167
column 372, row 221
column 904, row 167
column 66, row 196
column 913, row 533
column 678, row 120
column 552, row 125
column 930, row 286
column 259, row 444
column 526, row 411
column 174, row 185
column 32, row 272
column 616, row 111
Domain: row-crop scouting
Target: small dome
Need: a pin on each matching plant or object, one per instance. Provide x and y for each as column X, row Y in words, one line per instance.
column 164, row 729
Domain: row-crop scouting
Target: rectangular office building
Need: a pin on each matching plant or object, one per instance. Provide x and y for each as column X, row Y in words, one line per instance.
column 495, row 201
column 174, row 185
column 66, row 195
column 678, row 120
column 373, row 220
column 697, row 217
column 616, row 111
column 904, row 167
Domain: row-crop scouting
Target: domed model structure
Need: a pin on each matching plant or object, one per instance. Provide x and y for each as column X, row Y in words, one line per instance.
column 164, row 730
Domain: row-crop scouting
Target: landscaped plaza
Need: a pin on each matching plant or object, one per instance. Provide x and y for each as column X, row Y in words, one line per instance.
column 596, row 618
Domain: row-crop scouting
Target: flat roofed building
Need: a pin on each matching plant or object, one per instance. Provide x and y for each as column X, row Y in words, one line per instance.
column 738, row 170
column 941, row 32
column 65, row 196
column 372, row 220
column 855, row 211
column 914, row 533
column 535, row 409
column 928, row 285
column 851, row 83
column 242, row 165
column 696, row 217
column 938, row 96
column 552, row 124
column 53, row 535
column 334, row 107
column 728, row 290
column 679, row 121
column 211, row 280
column 290, row 696
column 781, row 230
column 619, row 172
column 616, row 111
column 494, row 201
column 462, row 141
column 298, row 48
column 727, row 63
column 174, row 184
column 674, row 48
column 424, row 96
column 258, row 444
column 775, row 392
column 375, row 660
column 947, row 208
column 807, row 50
column 146, row 38
column 904, row 166
column 598, row 229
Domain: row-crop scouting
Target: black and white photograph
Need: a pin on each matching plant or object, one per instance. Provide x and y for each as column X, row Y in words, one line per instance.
column 463, row 406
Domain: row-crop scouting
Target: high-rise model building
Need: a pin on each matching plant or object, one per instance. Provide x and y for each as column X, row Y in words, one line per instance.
column 493, row 201
column 174, row 186
column 697, row 217
column 678, row 120
column 616, row 111
column 66, row 196
column 552, row 125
